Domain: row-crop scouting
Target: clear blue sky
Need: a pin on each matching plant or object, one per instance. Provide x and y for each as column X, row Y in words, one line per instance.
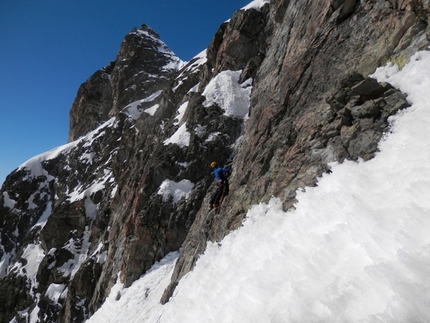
column 48, row 48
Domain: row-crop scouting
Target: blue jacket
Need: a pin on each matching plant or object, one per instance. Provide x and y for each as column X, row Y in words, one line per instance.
column 219, row 170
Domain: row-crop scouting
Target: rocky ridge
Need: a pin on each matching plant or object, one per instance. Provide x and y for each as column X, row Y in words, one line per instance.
column 133, row 182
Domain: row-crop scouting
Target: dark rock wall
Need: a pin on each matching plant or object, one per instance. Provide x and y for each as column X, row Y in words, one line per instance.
column 311, row 104
column 313, row 53
column 92, row 103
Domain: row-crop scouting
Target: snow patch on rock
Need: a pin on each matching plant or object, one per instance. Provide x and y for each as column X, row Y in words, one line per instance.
column 225, row 91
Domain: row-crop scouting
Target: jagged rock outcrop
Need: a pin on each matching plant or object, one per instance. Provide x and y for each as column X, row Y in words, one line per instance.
column 144, row 65
column 134, row 180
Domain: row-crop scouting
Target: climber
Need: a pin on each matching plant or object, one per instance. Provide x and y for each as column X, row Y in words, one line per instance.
column 221, row 176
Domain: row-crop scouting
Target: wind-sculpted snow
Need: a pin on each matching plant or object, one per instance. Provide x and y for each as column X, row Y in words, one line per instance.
column 147, row 290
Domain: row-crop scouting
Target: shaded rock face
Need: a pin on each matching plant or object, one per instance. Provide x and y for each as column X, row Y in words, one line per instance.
column 239, row 44
column 92, row 104
column 134, row 180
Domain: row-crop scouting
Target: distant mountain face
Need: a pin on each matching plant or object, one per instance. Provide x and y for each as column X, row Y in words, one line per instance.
column 282, row 91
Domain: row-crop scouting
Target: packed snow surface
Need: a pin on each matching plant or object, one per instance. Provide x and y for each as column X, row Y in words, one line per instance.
column 175, row 190
column 33, row 254
column 197, row 62
column 355, row 249
column 225, row 91
column 55, row 292
column 7, row 201
column 134, row 111
column 181, row 137
column 181, row 112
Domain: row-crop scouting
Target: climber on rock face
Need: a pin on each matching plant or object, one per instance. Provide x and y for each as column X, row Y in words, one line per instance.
column 221, row 176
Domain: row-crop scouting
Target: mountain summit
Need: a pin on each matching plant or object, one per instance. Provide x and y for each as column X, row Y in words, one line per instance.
column 143, row 66
column 282, row 92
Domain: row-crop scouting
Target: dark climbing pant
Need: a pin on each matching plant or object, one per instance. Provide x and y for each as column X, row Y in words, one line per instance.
column 222, row 190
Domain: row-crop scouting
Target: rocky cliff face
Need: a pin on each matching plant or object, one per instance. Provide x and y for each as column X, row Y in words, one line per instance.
column 134, row 181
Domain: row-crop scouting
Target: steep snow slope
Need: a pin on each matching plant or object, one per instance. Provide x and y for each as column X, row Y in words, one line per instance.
column 355, row 249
